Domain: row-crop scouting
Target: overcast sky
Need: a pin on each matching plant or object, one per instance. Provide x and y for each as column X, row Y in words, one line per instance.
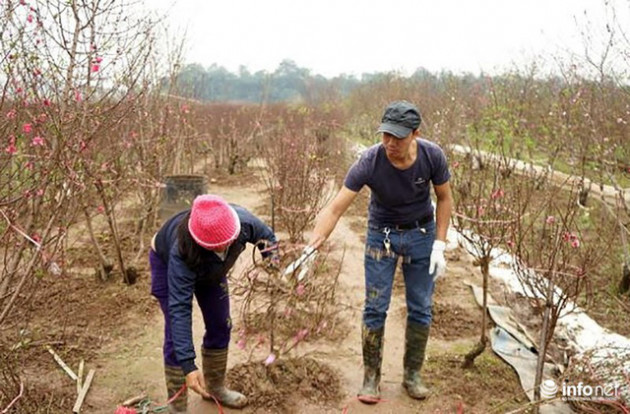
column 357, row 36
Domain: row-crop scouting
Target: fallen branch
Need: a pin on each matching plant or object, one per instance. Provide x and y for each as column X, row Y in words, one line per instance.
column 134, row 400
column 24, row 343
column 8, row 407
column 81, row 397
column 62, row 364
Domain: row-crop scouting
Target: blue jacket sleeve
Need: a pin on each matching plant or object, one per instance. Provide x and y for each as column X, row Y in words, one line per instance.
column 256, row 231
column 181, row 286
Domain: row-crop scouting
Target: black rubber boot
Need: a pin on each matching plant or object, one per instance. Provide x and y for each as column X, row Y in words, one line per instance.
column 214, row 367
column 416, row 337
column 175, row 380
column 372, row 358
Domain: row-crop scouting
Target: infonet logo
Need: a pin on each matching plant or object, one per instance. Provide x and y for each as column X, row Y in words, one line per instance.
column 549, row 389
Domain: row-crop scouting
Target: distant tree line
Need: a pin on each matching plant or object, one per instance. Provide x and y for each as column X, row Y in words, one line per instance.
column 288, row 82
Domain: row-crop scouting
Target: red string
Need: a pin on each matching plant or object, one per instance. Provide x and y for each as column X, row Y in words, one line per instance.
column 177, row 394
column 218, row 403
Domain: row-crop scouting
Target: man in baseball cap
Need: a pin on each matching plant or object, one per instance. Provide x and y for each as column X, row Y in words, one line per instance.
column 402, row 223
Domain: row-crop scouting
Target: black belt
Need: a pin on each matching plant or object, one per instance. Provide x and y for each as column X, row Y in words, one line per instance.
column 406, row 226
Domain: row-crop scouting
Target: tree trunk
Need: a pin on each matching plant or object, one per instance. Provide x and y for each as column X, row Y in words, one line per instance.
column 469, row 359
column 544, row 334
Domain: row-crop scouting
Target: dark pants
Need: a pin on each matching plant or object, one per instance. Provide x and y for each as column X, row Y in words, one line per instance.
column 213, row 299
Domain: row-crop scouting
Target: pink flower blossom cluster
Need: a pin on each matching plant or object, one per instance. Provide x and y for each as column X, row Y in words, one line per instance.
column 571, row 238
column 96, row 64
column 11, row 148
column 498, row 193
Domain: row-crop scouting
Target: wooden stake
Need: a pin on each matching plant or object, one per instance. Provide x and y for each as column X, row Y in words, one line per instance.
column 80, row 377
column 79, row 402
column 62, row 364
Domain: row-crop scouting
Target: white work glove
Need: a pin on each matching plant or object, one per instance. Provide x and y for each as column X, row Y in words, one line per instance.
column 437, row 265
column 303, row 262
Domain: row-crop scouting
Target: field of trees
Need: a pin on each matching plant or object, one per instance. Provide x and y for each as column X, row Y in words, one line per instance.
column 96, row 112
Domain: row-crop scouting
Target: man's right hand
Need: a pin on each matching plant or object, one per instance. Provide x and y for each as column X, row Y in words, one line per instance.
column 195, row 382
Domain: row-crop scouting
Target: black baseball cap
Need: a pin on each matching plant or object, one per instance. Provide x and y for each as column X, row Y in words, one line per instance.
column 400, row 119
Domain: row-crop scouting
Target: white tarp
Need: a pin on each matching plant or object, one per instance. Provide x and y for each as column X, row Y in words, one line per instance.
column 589, row 340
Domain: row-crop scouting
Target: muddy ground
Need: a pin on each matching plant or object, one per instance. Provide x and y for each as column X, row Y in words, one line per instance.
column 117, row 330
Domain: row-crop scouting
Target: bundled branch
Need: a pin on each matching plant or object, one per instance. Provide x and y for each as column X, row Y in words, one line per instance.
column 281, row 312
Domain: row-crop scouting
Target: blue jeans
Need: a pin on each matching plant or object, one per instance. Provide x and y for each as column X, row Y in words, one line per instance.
column 414, row 246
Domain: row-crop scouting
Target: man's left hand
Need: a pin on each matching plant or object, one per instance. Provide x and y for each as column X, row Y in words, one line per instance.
column 437, row 265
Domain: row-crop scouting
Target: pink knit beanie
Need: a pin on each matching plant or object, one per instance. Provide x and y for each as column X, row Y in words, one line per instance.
column 213, row 223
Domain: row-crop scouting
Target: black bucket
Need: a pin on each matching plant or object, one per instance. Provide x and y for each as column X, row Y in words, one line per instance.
column 179, row 193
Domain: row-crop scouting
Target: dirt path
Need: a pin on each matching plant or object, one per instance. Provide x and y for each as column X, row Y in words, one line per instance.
column 606, row 192
column 132, row 365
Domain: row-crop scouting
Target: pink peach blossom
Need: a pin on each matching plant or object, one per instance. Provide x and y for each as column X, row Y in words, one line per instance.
column 241, row 343
column 497, row 194
column 301, row 335
column 270, row 359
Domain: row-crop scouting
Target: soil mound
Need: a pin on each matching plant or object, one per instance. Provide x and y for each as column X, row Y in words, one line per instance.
column 279, row 387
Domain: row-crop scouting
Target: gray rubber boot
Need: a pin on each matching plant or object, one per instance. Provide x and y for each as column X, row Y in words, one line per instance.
column 175, row 379
column 416, row 337
column 214, row 367
column 372, row 358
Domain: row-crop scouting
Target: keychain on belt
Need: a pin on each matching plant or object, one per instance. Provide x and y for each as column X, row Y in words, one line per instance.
column 387, row 242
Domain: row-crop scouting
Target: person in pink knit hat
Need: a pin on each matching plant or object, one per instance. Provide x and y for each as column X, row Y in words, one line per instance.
column 192, row 253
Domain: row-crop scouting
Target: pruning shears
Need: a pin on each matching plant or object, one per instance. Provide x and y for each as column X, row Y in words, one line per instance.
column 303, row 263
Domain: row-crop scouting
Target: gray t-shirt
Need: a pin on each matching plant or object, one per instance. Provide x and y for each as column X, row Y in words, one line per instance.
column 399, row 196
